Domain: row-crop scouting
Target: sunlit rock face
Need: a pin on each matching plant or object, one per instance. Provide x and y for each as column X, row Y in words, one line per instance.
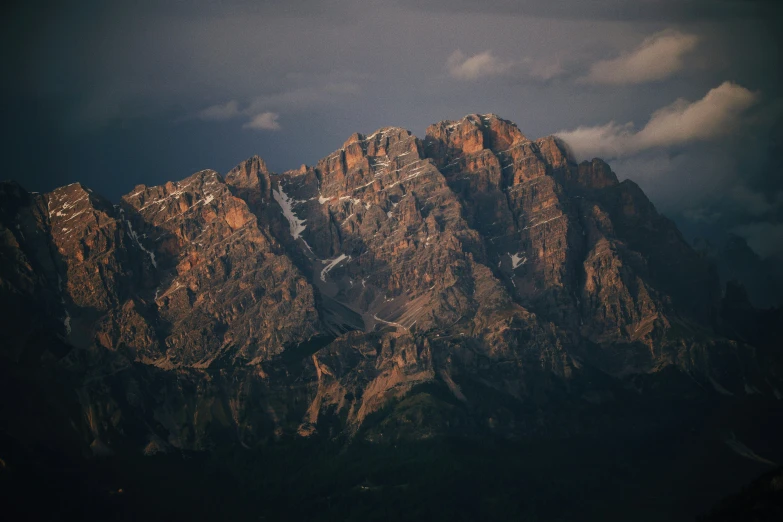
column 473, row 281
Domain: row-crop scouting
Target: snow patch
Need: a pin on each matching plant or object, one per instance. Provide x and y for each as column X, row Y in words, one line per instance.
column 543, row 222
column 135, row 238
column 74, row 215
column 517, row 260
column 744, row 451
column 307, row 245
column 332, row 263
column 718, row 388
column 153, row 202
column 67, row 322
column 390, row 323
column 296, row 225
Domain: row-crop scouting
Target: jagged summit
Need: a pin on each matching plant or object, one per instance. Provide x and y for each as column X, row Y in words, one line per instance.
column 475, row 132
column 471, row 133
column 476, row 119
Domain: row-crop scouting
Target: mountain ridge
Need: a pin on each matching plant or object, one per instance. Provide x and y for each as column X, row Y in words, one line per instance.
column 473, row 281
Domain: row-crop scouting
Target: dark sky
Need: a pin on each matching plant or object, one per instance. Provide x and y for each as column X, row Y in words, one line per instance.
column 684, row 97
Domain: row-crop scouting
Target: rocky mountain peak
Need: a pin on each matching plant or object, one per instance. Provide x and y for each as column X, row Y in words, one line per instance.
column 249, row 173
column 384, row 134
column 368, row 162
column 72, row 200
column 555, row 151
column 251, row 181
column 473, row 133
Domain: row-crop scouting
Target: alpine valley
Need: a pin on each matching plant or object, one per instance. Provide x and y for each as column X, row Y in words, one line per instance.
column 468, row 326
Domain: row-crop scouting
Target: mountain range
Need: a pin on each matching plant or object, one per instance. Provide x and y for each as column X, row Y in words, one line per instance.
column 471, row 284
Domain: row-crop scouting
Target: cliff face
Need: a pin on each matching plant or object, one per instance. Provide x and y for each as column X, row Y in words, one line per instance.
column 474, row 281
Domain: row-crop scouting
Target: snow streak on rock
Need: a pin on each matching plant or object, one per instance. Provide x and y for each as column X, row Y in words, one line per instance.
column 296, row 225
column 517, row 260
column 332, row 263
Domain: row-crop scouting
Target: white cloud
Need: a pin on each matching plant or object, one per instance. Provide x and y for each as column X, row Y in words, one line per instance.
column 609, row 141
column 220, row 112
column 658, row 57
column 266, row 120
column 714, row 115
column 717, row 114
column 323, row 89
column 765, row 238
column 465, row 67
column 263, row 121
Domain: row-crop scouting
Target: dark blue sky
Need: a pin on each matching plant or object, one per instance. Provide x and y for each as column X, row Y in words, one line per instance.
column 119, row 93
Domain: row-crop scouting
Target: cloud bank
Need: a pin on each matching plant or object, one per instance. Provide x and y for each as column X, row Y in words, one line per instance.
column 657, row 58
column 717, row 114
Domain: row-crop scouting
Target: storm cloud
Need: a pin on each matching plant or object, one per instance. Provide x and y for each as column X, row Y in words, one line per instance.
column 683, row 97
